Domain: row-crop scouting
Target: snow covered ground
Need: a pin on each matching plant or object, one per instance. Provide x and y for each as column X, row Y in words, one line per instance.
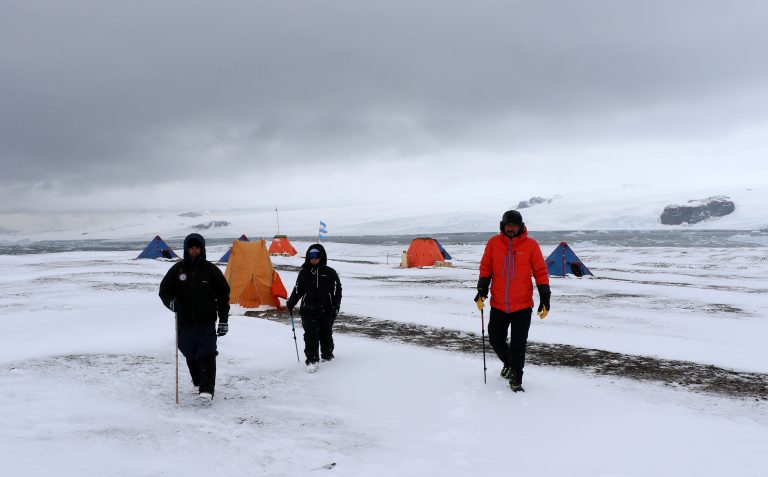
column 87, row 374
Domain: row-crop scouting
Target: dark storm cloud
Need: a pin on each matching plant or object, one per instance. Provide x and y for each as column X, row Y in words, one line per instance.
column 102, row 93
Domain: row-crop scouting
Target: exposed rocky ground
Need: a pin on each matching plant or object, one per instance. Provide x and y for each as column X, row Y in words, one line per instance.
column 697, row 211
column 693, row 376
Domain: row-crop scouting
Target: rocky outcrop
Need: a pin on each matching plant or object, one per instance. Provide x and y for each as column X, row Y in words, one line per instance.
column 191, row 214
column 524, row 204
column 696, row 211
column 208, row 225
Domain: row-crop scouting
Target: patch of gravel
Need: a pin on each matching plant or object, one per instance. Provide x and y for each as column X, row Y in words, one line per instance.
column 683, row 374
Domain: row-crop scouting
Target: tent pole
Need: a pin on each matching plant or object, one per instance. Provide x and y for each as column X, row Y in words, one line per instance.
column 562, row 247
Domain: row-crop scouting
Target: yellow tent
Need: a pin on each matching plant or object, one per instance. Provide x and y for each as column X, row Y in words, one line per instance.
column 252, row 279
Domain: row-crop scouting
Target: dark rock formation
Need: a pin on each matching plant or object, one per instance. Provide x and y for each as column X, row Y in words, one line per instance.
column 524, row 204
column 191, row 214
column 697, row 210
column 208, row 225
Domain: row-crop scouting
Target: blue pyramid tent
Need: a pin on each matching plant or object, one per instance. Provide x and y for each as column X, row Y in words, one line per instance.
column 562, row 261
column 225, row 258
column 446, row 255
column 157, row 248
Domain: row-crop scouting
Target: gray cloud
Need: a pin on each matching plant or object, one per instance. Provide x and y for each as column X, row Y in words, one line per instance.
column 104, row 94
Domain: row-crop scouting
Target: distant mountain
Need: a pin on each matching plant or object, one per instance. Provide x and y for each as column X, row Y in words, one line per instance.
column 636, row 208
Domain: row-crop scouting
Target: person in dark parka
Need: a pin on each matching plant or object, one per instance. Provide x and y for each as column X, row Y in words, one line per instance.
column 319, row 289
column 196, row 290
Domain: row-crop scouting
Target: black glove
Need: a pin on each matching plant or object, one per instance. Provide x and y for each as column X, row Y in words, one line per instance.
column 336, row 310
column 175, row 305
column 482, row 288
column 223, row 329
column 290, row 304
column 544, row 295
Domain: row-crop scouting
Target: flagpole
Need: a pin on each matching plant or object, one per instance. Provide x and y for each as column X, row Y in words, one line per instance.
column 277, row 217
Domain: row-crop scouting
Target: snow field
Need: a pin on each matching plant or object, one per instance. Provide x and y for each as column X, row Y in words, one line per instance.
column 87, row 380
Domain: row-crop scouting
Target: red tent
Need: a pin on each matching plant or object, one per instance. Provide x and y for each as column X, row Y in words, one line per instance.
column 281, row 246
column 424, row 252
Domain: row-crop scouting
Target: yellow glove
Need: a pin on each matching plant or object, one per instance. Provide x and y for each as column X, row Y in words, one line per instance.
column 543, row 312
column 480, row 303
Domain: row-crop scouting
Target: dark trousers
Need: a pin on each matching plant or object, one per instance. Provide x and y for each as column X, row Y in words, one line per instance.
column 318, row 334
column 512, row 354
column 198, row 345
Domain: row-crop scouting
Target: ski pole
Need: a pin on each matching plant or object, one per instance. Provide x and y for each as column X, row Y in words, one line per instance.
column 485, row 368
column 295, row 343
column 176, row 319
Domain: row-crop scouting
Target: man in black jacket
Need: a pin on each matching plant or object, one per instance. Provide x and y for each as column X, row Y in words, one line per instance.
column 319, row 289
column 196, row 290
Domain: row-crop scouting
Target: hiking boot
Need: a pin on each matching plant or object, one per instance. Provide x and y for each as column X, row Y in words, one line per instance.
column 205, row 397
column 505, row 372
column 327, row 357
column 515, row 382
column 311, row 367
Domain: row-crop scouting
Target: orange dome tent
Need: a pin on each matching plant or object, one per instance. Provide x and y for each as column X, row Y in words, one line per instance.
column 252, row 279
column 425, row 251
column 281, row 246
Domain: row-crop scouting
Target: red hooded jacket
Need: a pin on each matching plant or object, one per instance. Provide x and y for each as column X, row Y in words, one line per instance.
column 510, row 263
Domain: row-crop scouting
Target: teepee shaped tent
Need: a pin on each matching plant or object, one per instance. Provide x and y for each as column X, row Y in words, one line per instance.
column 425, row 251
column 281, row 246
column 252, row 279
column 225, row 258
column 157, row 248
column 563, row 261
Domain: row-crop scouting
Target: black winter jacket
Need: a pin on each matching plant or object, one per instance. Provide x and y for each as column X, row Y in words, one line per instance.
column 199, row 288
column 318, row 288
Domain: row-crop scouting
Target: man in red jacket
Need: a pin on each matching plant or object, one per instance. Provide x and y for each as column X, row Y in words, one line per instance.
column 509, row 260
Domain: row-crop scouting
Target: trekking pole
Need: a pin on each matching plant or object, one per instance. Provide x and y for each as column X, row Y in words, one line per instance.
column 485, row 368
column 295, row 343
column 176, row 319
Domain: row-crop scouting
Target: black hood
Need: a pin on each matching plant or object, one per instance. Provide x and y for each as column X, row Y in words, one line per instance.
column 512, row 217
column 323, row 255
column 194, row 237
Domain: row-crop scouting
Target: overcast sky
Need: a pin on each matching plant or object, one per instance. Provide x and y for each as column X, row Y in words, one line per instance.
column 180, row 104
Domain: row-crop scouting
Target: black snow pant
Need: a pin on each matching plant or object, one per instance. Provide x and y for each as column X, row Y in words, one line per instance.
column 318, row 333
column 512, row 354
column 197, row 342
